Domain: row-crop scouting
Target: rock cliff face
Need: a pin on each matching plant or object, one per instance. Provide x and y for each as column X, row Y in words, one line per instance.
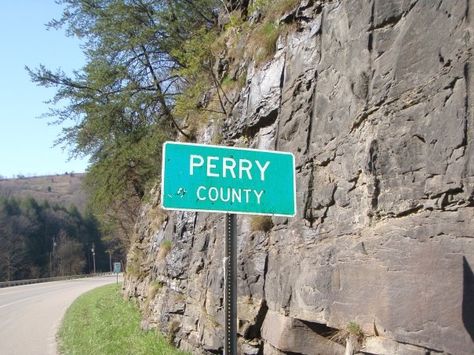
column 374, row 98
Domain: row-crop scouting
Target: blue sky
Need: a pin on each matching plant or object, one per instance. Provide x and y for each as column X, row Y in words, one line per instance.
column 26, row 141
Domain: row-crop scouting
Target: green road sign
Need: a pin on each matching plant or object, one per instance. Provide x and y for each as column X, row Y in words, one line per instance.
column 198, row 177
column 117, row 268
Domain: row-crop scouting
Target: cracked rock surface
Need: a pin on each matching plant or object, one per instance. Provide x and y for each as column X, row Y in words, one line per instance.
column 374, row 99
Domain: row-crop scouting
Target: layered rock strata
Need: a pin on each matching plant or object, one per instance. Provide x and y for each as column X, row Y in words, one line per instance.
column 374, row 98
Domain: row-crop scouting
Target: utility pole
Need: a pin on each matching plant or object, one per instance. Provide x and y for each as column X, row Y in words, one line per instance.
column 93, row 255
column 110, row 259
column 51, row 259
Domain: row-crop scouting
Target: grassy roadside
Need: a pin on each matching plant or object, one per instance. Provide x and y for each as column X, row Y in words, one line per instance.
column 101, row 322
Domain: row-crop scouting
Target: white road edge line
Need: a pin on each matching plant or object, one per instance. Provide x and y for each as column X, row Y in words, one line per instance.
column 12, row 303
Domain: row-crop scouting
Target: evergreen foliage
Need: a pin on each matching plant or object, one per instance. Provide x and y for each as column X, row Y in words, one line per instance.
column 152, row 74
column 121, row 104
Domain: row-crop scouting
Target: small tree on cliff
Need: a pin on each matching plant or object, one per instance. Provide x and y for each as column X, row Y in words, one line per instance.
column 122, row 101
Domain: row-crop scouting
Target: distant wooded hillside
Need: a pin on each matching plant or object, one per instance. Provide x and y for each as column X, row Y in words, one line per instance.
column 44, row 240
column 65, row 190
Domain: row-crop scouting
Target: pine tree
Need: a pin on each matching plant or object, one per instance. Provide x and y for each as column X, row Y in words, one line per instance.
column 121, row 103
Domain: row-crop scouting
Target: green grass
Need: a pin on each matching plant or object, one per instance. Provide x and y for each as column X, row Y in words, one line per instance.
column 102, row 322
column 355, row 329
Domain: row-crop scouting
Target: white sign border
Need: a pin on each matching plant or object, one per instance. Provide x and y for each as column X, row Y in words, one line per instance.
column 231, row 148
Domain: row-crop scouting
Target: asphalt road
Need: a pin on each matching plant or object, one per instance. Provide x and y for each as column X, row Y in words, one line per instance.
column 30, row 315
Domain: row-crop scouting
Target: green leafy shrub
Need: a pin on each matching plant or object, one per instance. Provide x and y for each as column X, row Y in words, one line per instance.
column 154, row 288
column 133, row 269
column 355, row 329
column 166, row 245
column 165, row 248
column 265, row 37
column 352, row 330
column 173, row 328
column 273, row 9
column 261, row 223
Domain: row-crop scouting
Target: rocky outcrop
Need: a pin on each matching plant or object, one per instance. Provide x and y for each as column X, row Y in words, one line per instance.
column 374, row 98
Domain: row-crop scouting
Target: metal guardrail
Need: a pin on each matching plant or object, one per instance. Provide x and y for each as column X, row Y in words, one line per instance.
column 49, row 279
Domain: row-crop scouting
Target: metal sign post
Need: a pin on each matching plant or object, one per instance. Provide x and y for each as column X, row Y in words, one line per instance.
column 230, row 285
column 206, row 178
